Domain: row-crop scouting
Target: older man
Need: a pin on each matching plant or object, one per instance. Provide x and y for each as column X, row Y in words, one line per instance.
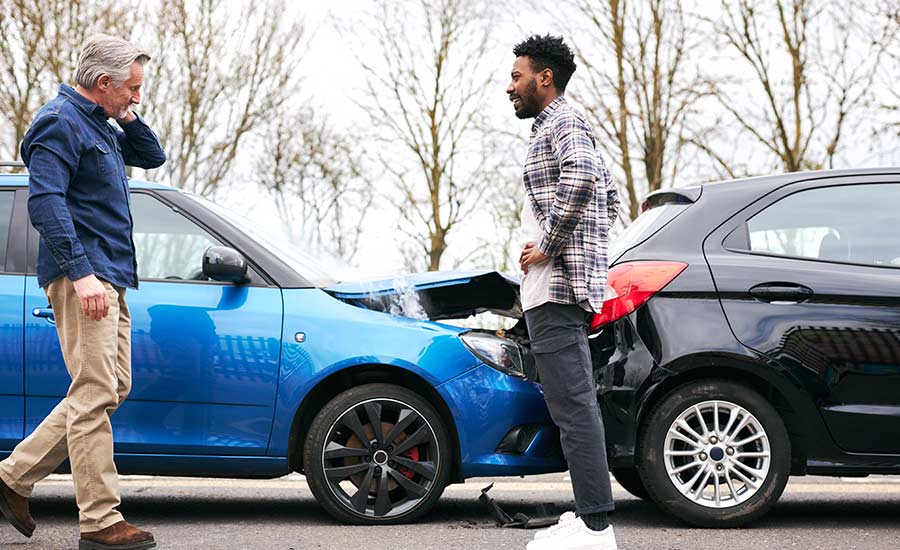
column 79, row 203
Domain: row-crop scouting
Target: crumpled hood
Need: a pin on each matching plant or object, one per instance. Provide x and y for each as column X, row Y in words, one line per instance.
column 440, row 294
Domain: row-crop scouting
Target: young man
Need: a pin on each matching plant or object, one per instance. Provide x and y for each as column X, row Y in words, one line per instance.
column 570, row 203
column 78, row 201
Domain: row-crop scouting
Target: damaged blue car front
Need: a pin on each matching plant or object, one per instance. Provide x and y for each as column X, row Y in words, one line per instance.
column 249, row 361
column 503, row 425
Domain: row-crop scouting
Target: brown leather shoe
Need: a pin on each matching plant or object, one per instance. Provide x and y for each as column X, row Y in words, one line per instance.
column 118, row 536
column 15, row 509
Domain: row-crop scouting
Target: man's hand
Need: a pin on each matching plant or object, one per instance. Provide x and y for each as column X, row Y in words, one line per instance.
column 531, row 255
column 129, row 116
column 93, row 296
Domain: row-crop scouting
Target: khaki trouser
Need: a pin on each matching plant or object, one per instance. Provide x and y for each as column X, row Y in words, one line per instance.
column 98, row 357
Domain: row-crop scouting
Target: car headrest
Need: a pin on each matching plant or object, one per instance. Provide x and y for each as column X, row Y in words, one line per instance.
column 833, row 248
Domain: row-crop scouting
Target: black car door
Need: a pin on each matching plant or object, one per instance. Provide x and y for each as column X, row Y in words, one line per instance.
column 810, row 276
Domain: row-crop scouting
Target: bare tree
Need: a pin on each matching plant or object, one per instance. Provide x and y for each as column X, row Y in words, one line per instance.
column 221, row 76
column 809, row 69
column 891, row 103
column 39, row 47
column 499, row 247
column 425, row 95
column 641, row 91
column 500, row 250
column 318, row 181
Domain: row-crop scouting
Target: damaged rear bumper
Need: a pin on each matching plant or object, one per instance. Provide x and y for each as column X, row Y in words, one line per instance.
column 503, row 423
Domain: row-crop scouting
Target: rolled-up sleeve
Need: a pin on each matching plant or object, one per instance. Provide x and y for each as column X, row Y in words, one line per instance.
column 578, row 165
column 140, row 146
column 50, row 149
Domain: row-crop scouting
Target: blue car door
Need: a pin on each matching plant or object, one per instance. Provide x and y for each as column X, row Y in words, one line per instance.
column 205, row 354
column 12, row 405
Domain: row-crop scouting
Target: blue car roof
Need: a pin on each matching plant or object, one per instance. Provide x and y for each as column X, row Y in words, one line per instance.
column 21, row 180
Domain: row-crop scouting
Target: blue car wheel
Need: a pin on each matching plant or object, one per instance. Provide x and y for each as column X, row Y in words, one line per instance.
column 377, row 454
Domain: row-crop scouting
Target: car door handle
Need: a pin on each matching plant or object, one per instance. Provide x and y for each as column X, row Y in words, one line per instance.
column 781, row 293
column 45, row 312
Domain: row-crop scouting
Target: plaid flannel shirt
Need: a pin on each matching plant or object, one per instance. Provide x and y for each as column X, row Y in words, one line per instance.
column 575, row 202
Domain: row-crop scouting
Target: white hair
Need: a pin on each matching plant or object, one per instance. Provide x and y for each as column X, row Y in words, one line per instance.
column 107, row 55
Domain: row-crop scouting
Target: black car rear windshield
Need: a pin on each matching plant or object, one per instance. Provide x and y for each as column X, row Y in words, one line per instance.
column 644, row 227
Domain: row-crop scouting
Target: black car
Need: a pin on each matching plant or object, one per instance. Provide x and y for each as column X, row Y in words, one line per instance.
column 755, row 335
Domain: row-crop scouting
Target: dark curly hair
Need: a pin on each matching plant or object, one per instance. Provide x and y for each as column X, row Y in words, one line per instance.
column 548, row 52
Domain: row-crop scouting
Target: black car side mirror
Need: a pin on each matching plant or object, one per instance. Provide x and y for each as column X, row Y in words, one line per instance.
column 221, row 263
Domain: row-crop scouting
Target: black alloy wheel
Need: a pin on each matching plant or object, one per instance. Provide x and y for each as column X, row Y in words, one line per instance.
column 377, row 454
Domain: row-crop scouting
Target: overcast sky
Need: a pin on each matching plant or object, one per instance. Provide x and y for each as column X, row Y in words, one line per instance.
column 332, row 80
column 331, row 70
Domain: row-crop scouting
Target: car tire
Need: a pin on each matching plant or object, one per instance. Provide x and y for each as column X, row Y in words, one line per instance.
column 725, row 475
column 406, row 465
column 630, row 480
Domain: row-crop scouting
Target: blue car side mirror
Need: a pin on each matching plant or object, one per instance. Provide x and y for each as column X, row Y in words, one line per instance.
column 221, row 263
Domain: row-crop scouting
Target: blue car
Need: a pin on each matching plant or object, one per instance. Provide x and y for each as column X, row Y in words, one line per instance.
column 250, row 362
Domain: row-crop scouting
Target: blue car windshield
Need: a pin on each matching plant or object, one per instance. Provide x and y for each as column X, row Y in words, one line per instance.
column 280, row 245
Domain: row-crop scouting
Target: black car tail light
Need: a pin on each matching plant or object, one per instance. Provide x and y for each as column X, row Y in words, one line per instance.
column 632, row 284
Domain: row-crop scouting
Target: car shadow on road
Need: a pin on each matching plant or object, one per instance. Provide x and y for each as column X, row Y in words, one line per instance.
column 851, row 513
column 812, row 512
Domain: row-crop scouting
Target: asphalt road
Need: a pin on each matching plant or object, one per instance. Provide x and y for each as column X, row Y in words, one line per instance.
column 814, row 514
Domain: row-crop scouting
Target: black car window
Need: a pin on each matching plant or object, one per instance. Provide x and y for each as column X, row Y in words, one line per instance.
column 168, row 245
column 849, row 223
column 6, row 208
column 645, row 226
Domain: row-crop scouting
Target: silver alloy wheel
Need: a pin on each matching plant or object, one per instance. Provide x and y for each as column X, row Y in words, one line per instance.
column 717, row 454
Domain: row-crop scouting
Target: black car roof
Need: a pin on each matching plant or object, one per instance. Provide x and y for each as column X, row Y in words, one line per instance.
column 778, row 180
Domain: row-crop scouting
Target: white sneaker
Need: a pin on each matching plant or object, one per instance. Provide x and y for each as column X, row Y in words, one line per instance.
column 575, row 535
column 563, row 519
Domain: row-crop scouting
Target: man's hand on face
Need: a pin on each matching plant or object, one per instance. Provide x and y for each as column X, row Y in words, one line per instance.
column 93, row 296
column 129, row 116
column 531, row 255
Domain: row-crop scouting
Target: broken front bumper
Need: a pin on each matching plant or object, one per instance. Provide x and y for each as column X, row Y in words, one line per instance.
column 503, row 425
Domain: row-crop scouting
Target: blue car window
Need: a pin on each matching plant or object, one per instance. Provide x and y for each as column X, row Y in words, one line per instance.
column 168, row 245
column 6, row 207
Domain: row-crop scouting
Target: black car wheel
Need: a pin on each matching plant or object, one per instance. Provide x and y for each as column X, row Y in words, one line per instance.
column 377, row 454
column 630, row 480
column 714, row 453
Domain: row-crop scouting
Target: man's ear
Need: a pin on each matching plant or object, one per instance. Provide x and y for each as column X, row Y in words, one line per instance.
column 546, row 77
column 104, row 82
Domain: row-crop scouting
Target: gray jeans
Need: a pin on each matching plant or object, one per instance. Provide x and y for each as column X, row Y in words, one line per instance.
column 558, row 335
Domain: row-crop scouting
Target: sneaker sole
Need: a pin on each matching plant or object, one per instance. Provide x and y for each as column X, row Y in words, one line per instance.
column 88, row 545
column 11, row 518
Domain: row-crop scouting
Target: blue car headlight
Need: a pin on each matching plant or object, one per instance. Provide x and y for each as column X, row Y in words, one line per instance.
column 500, row 353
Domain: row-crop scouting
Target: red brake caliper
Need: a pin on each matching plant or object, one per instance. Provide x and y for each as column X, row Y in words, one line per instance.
column 412, row 454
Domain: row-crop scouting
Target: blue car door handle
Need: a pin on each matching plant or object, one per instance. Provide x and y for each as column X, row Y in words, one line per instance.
column 45, row 312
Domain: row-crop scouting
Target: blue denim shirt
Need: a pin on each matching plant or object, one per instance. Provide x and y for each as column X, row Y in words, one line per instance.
column 78, row 190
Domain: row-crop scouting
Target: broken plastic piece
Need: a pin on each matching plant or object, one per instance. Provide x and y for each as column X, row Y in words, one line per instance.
column 545, row 516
